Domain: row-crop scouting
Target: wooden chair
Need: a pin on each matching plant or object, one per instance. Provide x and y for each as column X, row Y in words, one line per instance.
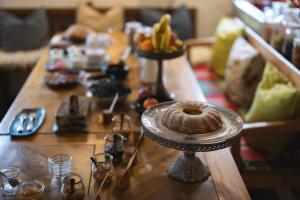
column 272, row 178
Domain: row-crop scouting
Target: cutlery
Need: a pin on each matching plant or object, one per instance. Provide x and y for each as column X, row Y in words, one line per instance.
column 20, row 127
column 108, row 113
column 97, row 196
column 128, row 165
column 31, row 119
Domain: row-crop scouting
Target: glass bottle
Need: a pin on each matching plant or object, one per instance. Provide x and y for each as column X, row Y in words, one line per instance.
column 72, row 187
column 30, row 190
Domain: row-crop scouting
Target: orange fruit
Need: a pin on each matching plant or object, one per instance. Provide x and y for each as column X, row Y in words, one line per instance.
column 147, row 45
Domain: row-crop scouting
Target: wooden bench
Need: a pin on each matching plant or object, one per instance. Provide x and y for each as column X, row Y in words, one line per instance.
column 272, row 178
column 61, row 19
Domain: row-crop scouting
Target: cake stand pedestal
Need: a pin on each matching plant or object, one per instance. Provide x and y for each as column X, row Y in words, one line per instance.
column 161, row 93
column 188, row 167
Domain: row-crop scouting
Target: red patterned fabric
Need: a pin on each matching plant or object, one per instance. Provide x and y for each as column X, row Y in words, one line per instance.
column 212, row 87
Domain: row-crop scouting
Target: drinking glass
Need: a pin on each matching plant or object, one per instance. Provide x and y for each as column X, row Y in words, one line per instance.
column 73, row 190
column 59, row 165
column 104, row 167
column 30, row 190
column 9, row 184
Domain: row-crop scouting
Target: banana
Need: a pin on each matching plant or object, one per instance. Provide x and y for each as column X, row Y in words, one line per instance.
column 164, row 22
column 165, row 39
column 161, row 33
column 154, row 36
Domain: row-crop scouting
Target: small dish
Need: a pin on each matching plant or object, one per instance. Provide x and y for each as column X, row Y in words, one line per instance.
column 30, row 118
column 118, row 71
column 103, row 91
column 63, row 79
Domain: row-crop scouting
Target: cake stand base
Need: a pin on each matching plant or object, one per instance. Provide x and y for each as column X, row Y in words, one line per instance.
column 189, row 168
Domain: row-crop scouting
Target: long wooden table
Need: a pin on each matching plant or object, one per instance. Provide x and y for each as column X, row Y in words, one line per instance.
column 149, row 179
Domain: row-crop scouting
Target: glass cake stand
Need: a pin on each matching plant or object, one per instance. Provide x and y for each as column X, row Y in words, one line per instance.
column 161, row 93
column 188, row 167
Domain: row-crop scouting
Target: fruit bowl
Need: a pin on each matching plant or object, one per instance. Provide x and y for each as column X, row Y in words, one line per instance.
column 162, row 55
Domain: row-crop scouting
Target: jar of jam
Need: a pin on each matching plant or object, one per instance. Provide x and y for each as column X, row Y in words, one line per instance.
column 102, row 166
column 287, row 45
column 296, row 52
column 30, row 190
column 122, row 125
column 114, row 145
column 277, row 36
column 9, row 181
column 72, row 187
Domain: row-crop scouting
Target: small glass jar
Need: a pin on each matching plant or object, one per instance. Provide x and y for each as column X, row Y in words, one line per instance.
column 30, row 190
column 59, row 165
column 122, row 125
column 72, row 187
column 277, row 36
column 296, row 52
column 104, row 162
column 287, row 46
column 114, row 145
column 9, row 184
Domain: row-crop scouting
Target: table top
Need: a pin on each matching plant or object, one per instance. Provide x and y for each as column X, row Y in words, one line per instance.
column 149, row 179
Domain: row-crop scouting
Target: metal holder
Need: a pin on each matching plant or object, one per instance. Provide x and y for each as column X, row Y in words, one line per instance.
column 188, row 167
column 161, row 93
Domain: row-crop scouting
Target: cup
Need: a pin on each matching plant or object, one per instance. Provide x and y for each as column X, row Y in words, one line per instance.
column 9, row 184
column 73, row 190
column 30, row 190
column 104, row 167
column 59, row 165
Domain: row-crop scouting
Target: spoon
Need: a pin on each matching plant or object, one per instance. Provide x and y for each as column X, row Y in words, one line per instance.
column 128, row 165
column 97, row 194
column 108, row 113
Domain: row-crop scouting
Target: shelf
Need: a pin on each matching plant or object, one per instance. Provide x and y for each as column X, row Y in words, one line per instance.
column 271, row 55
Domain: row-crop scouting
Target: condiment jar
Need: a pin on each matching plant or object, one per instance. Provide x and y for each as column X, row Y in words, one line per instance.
column 296, row 52
column 277, row 36
column 9, row 184
column 287, row 46
column 114, row 145
column 102, row 167
column 122, row 125
column 72, row 187
column 30, row 190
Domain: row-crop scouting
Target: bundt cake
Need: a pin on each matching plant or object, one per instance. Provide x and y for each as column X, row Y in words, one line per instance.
column 191, row 118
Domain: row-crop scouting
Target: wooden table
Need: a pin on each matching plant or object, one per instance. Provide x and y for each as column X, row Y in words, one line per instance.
column 149, row 180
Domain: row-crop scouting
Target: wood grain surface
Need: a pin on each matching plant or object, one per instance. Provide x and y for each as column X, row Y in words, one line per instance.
column 149, row 179
column 33, row 162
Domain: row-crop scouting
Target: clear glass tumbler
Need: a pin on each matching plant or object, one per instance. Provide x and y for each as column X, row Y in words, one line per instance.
column 59, row 165
column 9, row 183
column 30, row 190
column 72, row 187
